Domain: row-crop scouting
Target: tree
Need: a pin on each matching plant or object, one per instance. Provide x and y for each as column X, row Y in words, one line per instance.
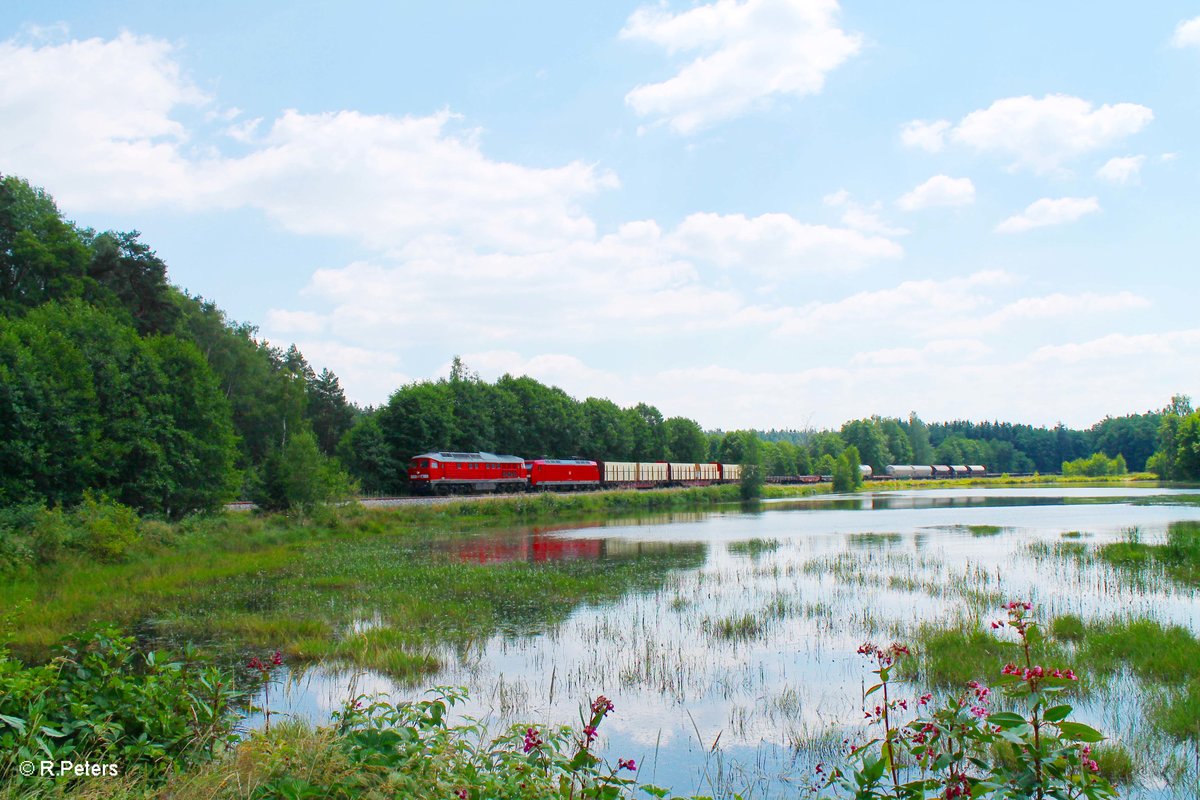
column 868, row 437
column 327, row 410
column 42, row 256
column 918, row 439
column 299, row 476
column 1187, row 448
column 417, row 419
column 1164, row 461
column 750, row 486
column 365, row 453
column 646, row 426
column 134, row 278
column 606, row 435
column 684, row 440
column 87, row 404
column 898, row 444
column 846, row 473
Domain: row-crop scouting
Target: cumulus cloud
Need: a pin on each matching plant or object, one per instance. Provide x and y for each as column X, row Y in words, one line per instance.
column 1041, row 135
column 940, row 190
column 749, row 52
column 928, row 136
column 1060, row 305
column 1121, row 345
column 92, row 119
column 778, row 244
column 1123, row 169
column 1049, row 211
column 862, row 218
column 1187, row 33
column 97, row 121
column 925, row 308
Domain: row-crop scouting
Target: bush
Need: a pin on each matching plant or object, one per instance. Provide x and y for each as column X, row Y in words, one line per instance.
column 299, row 477
column 102, row 700
column 109, row 529
column 1095, row 466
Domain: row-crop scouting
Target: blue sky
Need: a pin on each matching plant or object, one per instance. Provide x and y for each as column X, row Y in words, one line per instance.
column 750, row 212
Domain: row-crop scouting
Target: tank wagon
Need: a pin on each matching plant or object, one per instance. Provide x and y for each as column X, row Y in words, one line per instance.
column 464, row 473
column 939, row 471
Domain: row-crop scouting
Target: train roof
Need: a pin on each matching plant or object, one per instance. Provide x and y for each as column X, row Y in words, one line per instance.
column 466, row 457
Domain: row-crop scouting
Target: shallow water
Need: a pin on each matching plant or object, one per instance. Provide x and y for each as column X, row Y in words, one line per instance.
column 753, row 649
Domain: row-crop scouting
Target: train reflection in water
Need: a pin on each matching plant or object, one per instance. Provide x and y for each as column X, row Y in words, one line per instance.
column 547, row 543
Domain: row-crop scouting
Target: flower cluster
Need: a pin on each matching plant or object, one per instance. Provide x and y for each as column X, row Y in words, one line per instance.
column 981, row 694
column 532, row 739
column 602, row 706
column 628, row 764
column 1033, row 675
column 1088, row 761
column 264, row 666
column 886, row 656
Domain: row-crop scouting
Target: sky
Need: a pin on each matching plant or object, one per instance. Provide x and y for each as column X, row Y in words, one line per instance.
column 752, row 213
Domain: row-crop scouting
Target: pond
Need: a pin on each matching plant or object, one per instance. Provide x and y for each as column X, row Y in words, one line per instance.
column 731, row 658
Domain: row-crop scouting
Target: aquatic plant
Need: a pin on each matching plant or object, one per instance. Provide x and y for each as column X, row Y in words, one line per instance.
column 1042, row 753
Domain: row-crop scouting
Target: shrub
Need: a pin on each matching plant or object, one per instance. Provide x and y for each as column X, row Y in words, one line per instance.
column 101, row 699
column 109, row 529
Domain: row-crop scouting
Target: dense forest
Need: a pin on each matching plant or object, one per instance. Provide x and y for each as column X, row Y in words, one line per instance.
column 114, row 383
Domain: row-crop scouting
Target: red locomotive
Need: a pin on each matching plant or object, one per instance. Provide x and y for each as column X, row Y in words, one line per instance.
column 459, row 473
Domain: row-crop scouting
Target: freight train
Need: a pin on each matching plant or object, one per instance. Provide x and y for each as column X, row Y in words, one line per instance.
column 465, row 473
column 461, row 473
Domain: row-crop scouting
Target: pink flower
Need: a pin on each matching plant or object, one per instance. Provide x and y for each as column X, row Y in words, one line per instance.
column 532, row 740
column 629, row 765
column 277, row 659
column 601, row 705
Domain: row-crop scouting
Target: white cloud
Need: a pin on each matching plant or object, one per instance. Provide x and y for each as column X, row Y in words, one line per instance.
column 928, row 136
column 1037, row 134
column 933, row 354
column 92, row 120
column 924, row 308
column 859, row 217
column 1121, row 345
column 1187, row 33
column 624, row 286
column 940, row 190
column 96, row 121
column 750, row 51
column 1122, row 169
column 384, row 179
column 1059, row 306
column 778, row 244
column 289, row 322
column 1049, row 211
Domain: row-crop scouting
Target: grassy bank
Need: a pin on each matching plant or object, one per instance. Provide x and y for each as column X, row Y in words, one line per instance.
column 302, row 584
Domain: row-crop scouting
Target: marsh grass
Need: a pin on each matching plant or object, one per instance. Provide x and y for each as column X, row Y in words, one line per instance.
column 238, row 581
column 1179, row 556
column 754, row 548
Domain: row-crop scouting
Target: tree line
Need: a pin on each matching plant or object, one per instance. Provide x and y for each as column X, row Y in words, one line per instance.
column 113, row 381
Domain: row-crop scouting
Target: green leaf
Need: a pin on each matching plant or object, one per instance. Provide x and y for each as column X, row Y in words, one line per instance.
column 1006, row 719
column 15, row 722
column 1057, row 713
column 1079, row 732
